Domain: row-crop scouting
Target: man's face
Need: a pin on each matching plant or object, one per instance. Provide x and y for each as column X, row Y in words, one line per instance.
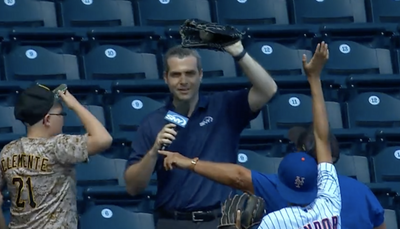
column 183, row 78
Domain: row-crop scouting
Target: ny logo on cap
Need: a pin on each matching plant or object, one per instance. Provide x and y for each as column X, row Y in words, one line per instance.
column 299, row 181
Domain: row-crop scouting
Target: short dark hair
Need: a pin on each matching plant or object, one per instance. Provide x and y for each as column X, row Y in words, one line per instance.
column 180, row 52
column 304, row 139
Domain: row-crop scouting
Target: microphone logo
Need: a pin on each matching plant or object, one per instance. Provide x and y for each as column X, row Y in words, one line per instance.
column 176, row 119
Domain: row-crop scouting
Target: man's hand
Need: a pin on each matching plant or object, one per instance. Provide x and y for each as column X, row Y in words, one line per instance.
column 314, row 67
column 235, row 49
column 165, row 137
column 175, row 160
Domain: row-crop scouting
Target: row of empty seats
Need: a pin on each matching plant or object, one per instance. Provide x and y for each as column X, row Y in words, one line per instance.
column 368, row 114
column 114, row 62
column 78, row 13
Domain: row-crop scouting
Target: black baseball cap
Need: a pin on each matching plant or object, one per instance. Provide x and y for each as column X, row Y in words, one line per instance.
column 34, row 103
column 304, row 140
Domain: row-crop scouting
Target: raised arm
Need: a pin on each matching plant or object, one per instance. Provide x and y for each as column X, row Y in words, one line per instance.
column 264, row 86
column 320, row 118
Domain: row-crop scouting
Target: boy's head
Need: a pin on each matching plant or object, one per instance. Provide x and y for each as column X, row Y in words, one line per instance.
column 38, row 108
column 297, row 178
column 305, row 142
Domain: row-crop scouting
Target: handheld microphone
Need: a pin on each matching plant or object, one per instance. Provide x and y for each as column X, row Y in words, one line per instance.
column 176, row 119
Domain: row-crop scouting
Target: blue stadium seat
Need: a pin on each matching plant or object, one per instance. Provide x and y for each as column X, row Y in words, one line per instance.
column 386, row 167
column 98, row 171
column 28, row 14
column 22, row 64
column 282, row 62
column 374, row 111
column 257, row 162
column 217, row 64
column 158, row 12
column 287, row 110
column 348, row 57
column 10, row 128
column 111, row 62
column 328, row 12
column 109, row 216
column 354, row 166
column 385, row 11
column 77, row 13
column 72, row 123
column 127, row 113
column 253, row 13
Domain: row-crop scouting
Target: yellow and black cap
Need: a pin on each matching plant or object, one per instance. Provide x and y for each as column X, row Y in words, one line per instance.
column 34, row 103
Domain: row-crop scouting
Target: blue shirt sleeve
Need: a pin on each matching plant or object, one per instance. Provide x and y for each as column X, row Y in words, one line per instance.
column 238, row 108
column 265, row 187
column 141, row 144
column 376, row 211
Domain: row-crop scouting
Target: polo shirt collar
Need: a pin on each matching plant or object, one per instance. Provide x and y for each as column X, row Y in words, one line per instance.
column 202, row 103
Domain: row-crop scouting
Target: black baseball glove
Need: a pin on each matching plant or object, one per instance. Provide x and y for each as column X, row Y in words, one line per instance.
column 196, row 33
column 251, row 209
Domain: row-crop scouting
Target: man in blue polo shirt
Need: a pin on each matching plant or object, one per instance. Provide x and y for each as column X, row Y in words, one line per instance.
column 360, row 207
column 184, row 199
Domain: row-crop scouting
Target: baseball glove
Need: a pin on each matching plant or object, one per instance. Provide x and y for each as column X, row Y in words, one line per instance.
column 196, row 33
column 251, row 209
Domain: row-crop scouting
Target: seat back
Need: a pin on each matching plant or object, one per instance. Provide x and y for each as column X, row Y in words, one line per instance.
column 277, row 58
column 255, row 12
column 110, row 216
column 77, row 13
column 110, row 62
column 354, row 166
column 217, row 64
column 23, row 63
column 348, row 57
column 72, row 123
column 28, row 14
column 257, row 162
column 373, row 109
column 288, row 110
column 8, row 123
column 98, row 171
column 128, row 113
column 324, row 12
column 158, row 12
column 385, row 11
column 386, row 165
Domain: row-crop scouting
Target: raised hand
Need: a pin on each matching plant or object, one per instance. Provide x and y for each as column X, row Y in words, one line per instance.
column 314, row 67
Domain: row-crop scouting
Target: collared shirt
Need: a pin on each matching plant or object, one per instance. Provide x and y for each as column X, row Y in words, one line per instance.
column 360, row 207
column 211, row 134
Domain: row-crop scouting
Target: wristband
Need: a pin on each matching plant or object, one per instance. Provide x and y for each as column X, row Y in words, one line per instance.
column 240, row 56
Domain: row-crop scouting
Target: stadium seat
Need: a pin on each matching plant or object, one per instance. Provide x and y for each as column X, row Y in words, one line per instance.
column 72, row 123
column 385, row 11
column 111, row 62
column 257, row 162
column 27, row 14
column 217, row 64
column 10, row 128
column 254, row 12
column 386, row 167
column 109, row 216
column 127, row 114
column 88, row 13
column 372, row 111
column 333, row 109
column 98, row 171
column 354, row 166
column 287, row 110
column 328, row 12
column 348, row 57
column 23, row 64
column 158, row 12
column 390, row 219
column 281, row 62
